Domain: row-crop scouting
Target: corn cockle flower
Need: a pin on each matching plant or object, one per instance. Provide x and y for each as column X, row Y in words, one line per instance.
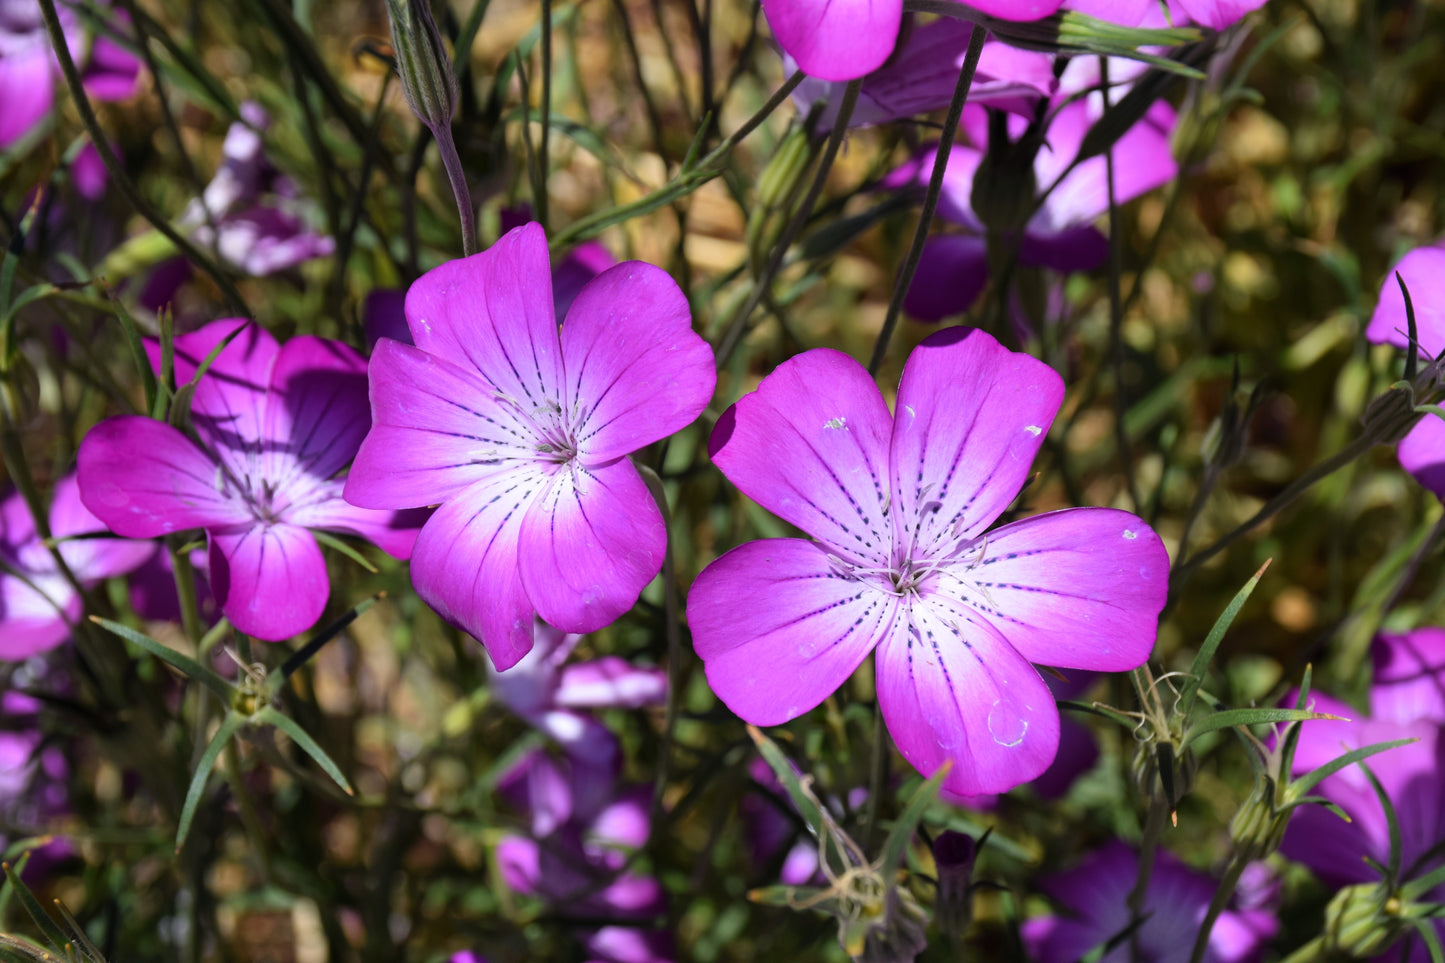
column 899, row 506
column 522, row 433
column 1095, row 899
column 275, row 425
column 38, row 604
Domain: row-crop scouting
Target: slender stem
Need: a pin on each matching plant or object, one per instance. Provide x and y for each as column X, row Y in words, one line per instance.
column 543, row 142
column 739, row 323
column 1223, row 893
column 1271, row 508
column 1116, row 310
column 117, row 172
column 930, row 199
column 878, row 776
column 447, row 147
column 689, row 179
column 1412, row 567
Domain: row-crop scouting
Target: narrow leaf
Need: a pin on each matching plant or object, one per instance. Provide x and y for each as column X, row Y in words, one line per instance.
column 42, row 919
column 331, row 541
column 229, row 727
column 1250, row 717
column 184, row 664
column 1310, row 780
column 806, row 804
column 307, row 745
column 896, row 845
column 1211, row 643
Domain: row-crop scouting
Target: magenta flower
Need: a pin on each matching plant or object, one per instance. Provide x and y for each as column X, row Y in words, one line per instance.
column 38, row 604
column 1409, row 682
column 275, row 425
column 1422, row 451
column 841, row 41
column 523, row 433
column 29, row 70
column 555, row 697
column 899, row 506
column 1061, row 235
column 1095, row 899
column 921, row 75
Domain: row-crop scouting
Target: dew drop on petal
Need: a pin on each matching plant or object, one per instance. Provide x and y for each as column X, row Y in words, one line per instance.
column 1006, row 723
column 1034, row 430
column 1130, row 534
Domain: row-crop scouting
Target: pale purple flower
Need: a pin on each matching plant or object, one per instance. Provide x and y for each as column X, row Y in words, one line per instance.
column 1422, row 451
column 1215, row 14
column 1094, row 902
column 522, row 433
column 899, row 506
column 921, row 75
column 29, row 69
column 1409, row 680
column 33, row 783
column 467, row 956
column 38, row 604
column 275, row 424
column 1062, row 234
column 555, row 697
column 842, row 41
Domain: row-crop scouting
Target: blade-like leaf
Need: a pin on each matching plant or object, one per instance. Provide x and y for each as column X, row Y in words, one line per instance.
column 331, row 541
column 1249, row 717
column 1304, row 784
column 42, row 919
column 1211, row 643
column 896, row 844
column 1432, row 940
column 804, row 801
column 184, row 664
column 286, row 724
column 88, row 950
column 1392, row 823
column 229, row 727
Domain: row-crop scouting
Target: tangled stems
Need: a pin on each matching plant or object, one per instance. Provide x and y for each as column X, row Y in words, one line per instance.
column 930, row 199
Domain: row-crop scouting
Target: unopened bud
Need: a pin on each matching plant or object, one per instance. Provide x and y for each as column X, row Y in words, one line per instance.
column 422, row 62
column 1364, row 920
column 1159, row 772
column 1004, row 187
column 777, row 192
column 953, row 855
column 1390, row 416
column 1258, row 827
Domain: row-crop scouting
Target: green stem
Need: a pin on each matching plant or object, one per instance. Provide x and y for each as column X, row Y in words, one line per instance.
column 930, row 199
column 447, row 147
column 1116, row 311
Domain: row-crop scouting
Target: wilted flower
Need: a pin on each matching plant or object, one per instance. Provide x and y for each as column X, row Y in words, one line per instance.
column 38, row 604
column 275, row 425
column 29, row 69
column 523, row 436
column 899, row 506
column 1094, row 898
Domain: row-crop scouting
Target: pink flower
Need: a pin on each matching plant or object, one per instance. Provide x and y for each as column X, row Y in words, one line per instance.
column 899, row 507
column 275, row 425
column 523, row 433
column 1095, row 898
column 38, row 604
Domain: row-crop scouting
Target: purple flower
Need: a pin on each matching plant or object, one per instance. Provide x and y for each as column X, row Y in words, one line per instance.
column 1061, row 234
column 275, row 425
column 899, row 507
column 1422, row 451
column 1409, row 682
column 553, row 696
column 1094, row 897
column 921, row 75
column 841, row 41
column 29, row 69
column 523, row 435
column 33, row 791
column 38, row 604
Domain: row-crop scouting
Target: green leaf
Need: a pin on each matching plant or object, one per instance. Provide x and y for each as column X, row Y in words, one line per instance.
column 88, row 950
column 136, row 346
column 1249, row 717
column 230, row 725
column 1200, row 666
column 42, row 919
column 805, row 802
column 1392, row 823
column 184, row 664
column 286, row 724
column 783, row 895
column 181, row 410
column 278, row 676
column 1431, row 939
column 896, row 845
column 1304, row 784
column 331, row 541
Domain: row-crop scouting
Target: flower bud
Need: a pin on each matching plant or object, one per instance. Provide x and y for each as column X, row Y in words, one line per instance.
column 422, row 62
column 777, row 192
column 1390, row 416
column 1363, row 920
column 953, row 855
column 1159, row 771
column 1258, row 827
column 1004, row 187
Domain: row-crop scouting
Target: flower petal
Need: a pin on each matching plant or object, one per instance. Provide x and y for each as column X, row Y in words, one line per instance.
column 634, row 365
column 35, row 617
column 1080, row 588
column 610, row 682
column 143, row 478
column 971, row 417
column 229, row 404
column 952, row 689
column 835, row 39
column 590, row 543
column 436, row 429
column 1422, row 453
column 492, row 313
column 91, row 558
column 464, row 564
column 27, row 90
column 316, row 413
column 270, row 580
column 112, row 72
column 810, row 446
column 951, row 275
column 1423, row 270
column 779, row 628
column 1409, row 677
column 1143, row 160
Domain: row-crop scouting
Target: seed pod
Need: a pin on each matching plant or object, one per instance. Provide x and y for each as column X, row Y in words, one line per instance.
column 1363, row 921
